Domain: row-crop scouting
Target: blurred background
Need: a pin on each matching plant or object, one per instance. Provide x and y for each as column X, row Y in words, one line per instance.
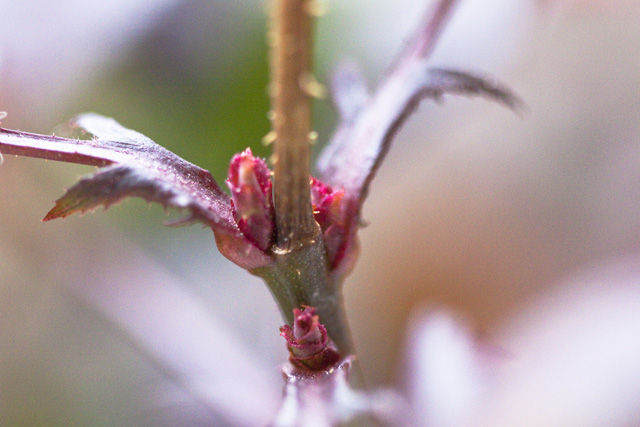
column 114, row 319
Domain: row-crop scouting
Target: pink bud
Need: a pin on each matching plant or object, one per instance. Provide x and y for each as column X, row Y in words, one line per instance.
column 309, row 345
column 252, row 202
column 329, row 213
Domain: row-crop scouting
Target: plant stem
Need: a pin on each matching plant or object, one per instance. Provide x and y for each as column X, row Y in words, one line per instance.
column 300, row 275
column 291, row 47
column 301, row 278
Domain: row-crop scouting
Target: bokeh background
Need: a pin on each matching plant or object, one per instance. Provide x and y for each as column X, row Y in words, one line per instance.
column 478, row 211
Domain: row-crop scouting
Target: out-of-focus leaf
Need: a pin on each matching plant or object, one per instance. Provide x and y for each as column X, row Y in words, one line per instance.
column 325, row 398
column 369, row 123
column 445, row 373
column 349, row 90
column 575, row 345
column 359, row 145
column 207, row 364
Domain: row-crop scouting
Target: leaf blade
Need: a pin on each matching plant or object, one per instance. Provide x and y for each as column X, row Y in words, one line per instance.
column 178, row 183
column 364, row 135
column 132, row 165
column 114, row 183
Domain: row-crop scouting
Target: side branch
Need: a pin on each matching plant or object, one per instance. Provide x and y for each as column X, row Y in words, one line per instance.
column 290, row 38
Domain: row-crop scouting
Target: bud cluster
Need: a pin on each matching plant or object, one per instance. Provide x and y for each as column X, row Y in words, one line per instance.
column 309, row 345
column 249, row 180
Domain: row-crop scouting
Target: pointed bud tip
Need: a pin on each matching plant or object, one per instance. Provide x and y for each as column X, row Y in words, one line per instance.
column 309, row 346
column 249, row 180
column 331, row 214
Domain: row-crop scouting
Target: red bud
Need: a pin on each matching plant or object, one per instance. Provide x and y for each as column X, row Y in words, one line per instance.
column 328, row 212
column 250, row 184
column 309, row 345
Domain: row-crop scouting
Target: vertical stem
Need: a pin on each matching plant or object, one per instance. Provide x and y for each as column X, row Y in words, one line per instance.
column 291, row 48
column 300, row 274
column 301, row 278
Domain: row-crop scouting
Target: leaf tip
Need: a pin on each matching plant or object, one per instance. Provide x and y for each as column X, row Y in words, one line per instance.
column 49, row 217
column 54, row 213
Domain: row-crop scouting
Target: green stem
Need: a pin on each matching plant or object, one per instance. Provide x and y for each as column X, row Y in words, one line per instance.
column 302, row 278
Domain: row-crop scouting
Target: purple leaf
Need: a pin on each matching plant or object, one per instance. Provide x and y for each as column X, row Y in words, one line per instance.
column 369, row 124
column 177, row 182
column 326, row 398
column 359, row 145
column 151, row 171
column 136, row 167
column 310, row 348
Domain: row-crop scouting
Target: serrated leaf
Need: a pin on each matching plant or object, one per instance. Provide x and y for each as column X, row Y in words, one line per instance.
column 359, row 145
column 144, row 169
column 135, row 166
column 111, row 184
column 369, row 122
column 326, row 398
